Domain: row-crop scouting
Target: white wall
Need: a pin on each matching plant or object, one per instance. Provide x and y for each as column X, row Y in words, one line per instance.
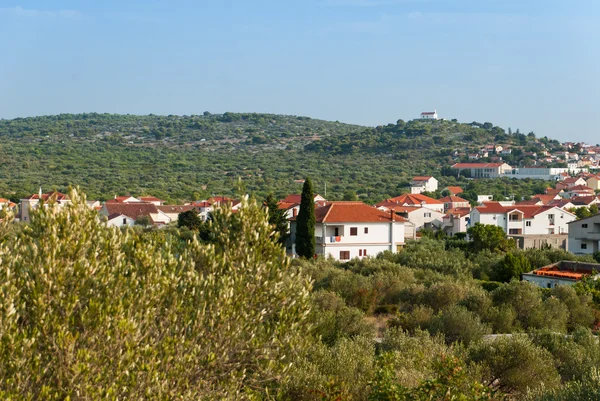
column 379, row 238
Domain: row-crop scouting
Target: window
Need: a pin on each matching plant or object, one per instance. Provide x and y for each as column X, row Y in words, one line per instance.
column 427, row 214
column 513, row 231
column 360, row 252
column 364, row 252
column 583, row 246
column 528, row 224
column 344, row 255
column 124, row 221
column 366, row 230
column 353, row 230
column 584, row 225
column 549, row 285
column 336, row 231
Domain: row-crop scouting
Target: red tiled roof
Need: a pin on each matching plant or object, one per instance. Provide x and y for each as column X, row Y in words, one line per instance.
column 455, row 190
column 294, row 198
column 175, row 208
column 286, row 205
column 476, row 165
column 352, row 212
column 58, row 196
column 453, row 199
column 580, row 188
column 119, row 199
column 428, row 113
column 528, row 211
column 150, row 199
column 201, row 204
column 414, row 199
column 422, row 178
column 133, row 210
column 459, row 211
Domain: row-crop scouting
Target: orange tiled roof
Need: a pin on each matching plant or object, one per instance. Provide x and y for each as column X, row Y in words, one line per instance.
column 352, row 212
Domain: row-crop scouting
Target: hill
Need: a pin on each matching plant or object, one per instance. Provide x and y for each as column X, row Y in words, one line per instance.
column 185, row 157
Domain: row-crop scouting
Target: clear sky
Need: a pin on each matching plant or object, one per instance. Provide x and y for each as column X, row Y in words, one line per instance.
column 527, row 64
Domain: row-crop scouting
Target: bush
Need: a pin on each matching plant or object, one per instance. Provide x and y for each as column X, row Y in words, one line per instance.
column 458, row 324
column 513, row 365
column 91, row 312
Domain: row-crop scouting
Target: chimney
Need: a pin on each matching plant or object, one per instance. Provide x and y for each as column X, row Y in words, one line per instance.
column 393, row 214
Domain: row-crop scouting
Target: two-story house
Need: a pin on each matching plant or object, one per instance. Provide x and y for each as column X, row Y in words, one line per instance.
column 584, row 235
column 33, row 202
column 453, row 202
column 523, row 219
column 346, row 230
column 456, row 220
column 422, row 184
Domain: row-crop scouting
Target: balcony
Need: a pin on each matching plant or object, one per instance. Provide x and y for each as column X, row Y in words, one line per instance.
column 329, row 240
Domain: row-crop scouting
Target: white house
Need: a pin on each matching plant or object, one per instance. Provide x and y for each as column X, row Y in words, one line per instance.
column 31, row 203
column 453, row 202
column 417, row 200
column 429, row 115
column 523, row 219
column 121, row 214
column 483, row 170
column 119, row 220
column 456, row 220
column 422, row 184
column 562, row 273
column 346, row 230
column 419, row 217
column 584, row 235
column 291, row 204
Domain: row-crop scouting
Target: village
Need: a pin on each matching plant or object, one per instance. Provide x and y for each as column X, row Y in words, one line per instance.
column 353, row 229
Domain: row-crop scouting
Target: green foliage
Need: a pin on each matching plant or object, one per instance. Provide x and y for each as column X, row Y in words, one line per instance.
column 173, row 156
column 513, row 365
column 459, row 324
column 305, row 222
column 277, row 218
column 92, row 312
column 489, row 237
column 513, row 265
column 587, row 388
column 189, row 219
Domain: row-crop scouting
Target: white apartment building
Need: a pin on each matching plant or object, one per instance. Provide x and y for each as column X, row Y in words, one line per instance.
column 584, row 235
column 422, row 184
column 483, row 170
column 523, row 219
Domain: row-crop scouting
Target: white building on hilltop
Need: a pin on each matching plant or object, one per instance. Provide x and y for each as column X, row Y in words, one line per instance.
column 429, row 115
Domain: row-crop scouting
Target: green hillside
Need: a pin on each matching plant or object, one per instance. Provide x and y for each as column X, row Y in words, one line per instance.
column 185, row 157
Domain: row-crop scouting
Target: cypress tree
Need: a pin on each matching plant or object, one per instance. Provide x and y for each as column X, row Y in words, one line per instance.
column 305, row 222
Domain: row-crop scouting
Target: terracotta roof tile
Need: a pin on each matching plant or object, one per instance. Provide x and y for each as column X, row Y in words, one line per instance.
column 352, row 212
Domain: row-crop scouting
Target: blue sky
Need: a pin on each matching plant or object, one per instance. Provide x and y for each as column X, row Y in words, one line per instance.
column 526, row 64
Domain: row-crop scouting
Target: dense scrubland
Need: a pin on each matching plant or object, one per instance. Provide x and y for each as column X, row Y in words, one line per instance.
column 181, row 158
column 91, row 312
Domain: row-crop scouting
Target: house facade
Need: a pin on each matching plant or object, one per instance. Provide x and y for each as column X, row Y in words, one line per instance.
column 347, row 230
column 422, row 184
column 429, row 115
column 584, row 235
column 33, row 202
column 456, row 221
column 483, row 170
column 522, row 219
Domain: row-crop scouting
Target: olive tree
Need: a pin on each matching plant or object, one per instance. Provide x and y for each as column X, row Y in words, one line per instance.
column 93, row 312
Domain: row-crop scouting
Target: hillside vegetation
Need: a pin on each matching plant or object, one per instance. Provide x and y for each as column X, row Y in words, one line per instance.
column 190, row 157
